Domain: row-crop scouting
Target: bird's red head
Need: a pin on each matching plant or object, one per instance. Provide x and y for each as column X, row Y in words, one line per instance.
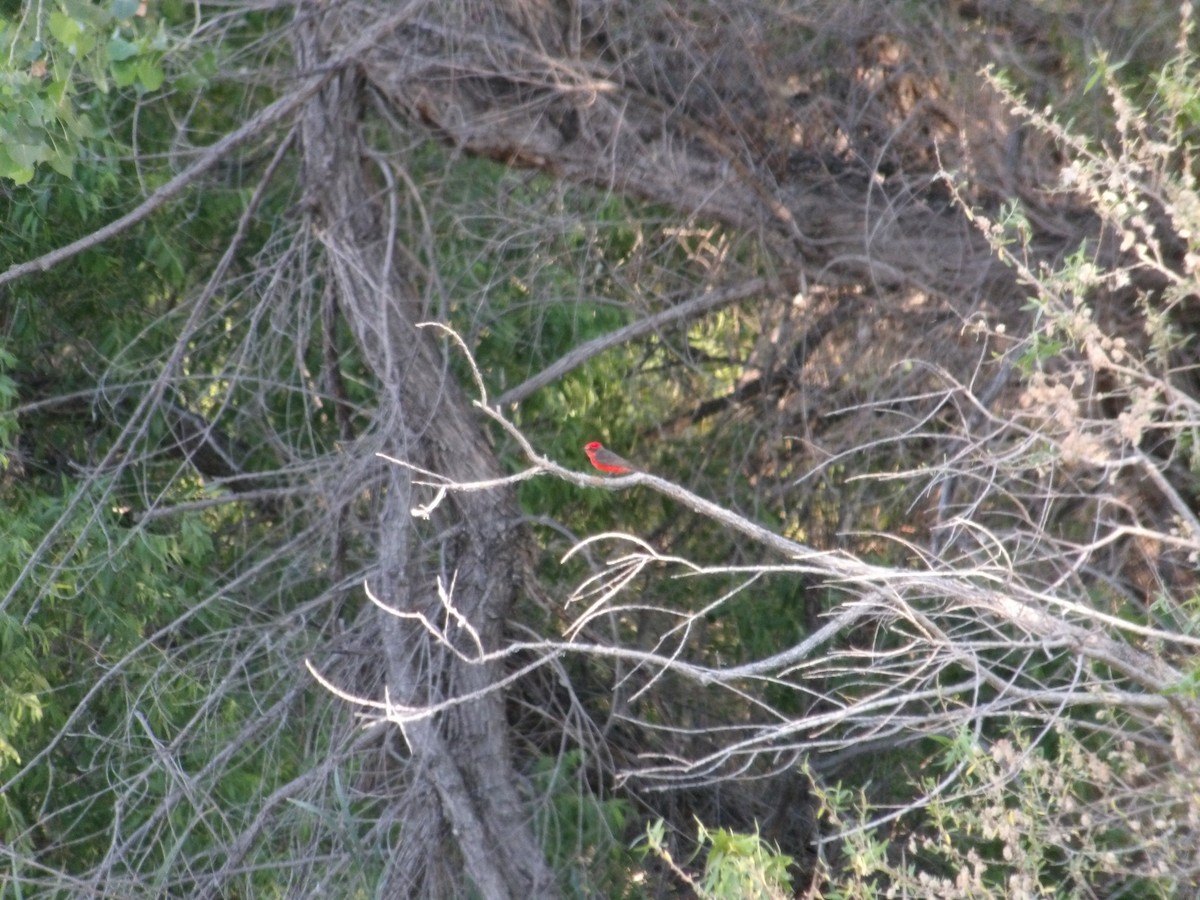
column 594, row 445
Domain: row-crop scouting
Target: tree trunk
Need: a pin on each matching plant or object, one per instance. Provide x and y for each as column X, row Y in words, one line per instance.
column 462, row 754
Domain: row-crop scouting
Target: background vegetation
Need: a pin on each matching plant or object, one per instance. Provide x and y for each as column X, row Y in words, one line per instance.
column 309, row 308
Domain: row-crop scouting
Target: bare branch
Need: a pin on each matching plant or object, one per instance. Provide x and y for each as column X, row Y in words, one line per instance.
column 646, row 325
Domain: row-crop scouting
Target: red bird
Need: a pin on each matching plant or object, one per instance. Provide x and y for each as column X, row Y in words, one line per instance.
column 607, row 461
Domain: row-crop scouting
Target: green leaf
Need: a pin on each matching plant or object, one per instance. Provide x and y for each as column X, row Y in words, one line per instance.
column 64, row 29
column 63, row 164
column 28, row 154
column 57, row 90
column 11, row 169
column 124, row 73
column 120, row 49
column 150, row 75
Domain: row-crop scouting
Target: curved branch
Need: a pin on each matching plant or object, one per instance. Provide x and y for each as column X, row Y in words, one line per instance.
column 689, row 309
column 266, row 118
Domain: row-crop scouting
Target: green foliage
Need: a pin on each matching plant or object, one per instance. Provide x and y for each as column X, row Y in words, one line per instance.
column 580, row 832
column 102, row 616
column 22, row 685
column 1017, row 817
column 736, row 866
column 90, row 600
column 58, row 58
column 8, row 398
column 743, row 865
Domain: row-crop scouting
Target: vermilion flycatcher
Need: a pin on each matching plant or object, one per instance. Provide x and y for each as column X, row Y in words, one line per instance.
column 607, row 461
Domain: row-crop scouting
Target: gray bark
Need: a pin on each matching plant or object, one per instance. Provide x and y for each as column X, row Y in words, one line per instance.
column 462, row 754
